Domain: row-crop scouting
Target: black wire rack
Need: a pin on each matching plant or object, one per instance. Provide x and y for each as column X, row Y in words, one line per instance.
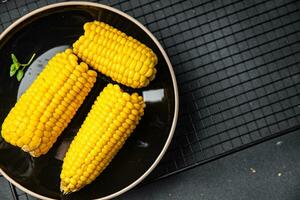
column 237, row 67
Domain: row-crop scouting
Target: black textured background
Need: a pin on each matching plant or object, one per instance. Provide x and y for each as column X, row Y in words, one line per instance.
column 237, row 67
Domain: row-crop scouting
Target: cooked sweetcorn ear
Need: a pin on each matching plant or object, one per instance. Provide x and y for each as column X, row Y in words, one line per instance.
column 111, row 120
column 114, row 54
column 48, row 105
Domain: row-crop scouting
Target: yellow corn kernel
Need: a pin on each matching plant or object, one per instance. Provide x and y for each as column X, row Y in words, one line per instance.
column 41, row 113
column 101, row 136
column 110, row 51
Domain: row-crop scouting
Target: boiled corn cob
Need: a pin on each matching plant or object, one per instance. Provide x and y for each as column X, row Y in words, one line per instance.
column 112, row 119
column 116, row 55
column 46, row 108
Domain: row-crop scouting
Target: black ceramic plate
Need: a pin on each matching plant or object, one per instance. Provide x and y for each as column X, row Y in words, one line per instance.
column 47, row 31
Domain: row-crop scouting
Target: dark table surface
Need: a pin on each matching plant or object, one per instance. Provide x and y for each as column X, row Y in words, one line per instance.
column 270, row 170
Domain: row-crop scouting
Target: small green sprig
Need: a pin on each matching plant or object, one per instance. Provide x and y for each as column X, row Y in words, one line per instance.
column 17, row 67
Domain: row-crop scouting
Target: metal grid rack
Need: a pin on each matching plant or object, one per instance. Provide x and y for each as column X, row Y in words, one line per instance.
column 237, row 67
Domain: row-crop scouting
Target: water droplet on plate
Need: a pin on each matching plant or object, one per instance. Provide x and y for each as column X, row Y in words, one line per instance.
column 142, row 144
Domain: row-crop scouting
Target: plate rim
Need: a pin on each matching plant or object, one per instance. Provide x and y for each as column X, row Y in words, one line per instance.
column 175, row 88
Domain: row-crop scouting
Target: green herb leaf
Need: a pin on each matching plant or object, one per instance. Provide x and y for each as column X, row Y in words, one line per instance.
column 13, row 69
column 20, row 75
column 14, row 58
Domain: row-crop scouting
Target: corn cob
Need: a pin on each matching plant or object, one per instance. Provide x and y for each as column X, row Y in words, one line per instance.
column 113, row 117
column 46, row 108
column 116, row 55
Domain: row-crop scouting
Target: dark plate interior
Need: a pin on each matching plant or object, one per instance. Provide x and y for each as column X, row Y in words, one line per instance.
column 62, row 26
